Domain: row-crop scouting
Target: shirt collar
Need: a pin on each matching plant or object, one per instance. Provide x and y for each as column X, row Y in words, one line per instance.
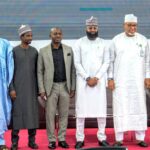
column 60, row 46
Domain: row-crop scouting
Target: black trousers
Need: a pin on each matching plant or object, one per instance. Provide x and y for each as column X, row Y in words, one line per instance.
column 15, row 136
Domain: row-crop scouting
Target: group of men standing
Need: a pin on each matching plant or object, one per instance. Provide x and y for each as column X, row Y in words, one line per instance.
column 57, row 71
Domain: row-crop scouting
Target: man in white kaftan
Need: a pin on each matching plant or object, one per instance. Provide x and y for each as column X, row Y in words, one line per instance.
column 129, row 75
column 91, row 62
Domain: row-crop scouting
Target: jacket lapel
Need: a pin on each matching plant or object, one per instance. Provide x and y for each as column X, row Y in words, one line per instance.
column 65, row 54
column 49, row 54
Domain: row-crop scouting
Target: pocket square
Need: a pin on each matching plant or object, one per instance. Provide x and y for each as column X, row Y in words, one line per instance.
column 68, row 54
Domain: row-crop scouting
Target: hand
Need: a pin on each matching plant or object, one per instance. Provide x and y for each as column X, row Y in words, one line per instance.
column 96, row 79
column 43, row 96
column 92, row 82
column 111, row 84
column 13, row 94
column 147, row 83
column 72, row 93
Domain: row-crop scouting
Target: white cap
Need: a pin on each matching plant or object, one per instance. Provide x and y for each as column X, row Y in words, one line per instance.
column 130, row 18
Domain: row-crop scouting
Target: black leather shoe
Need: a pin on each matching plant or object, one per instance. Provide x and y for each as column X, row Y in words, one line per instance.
column 117, row 144
column 79, row 144
column 142, row 144
column 52, row 145
column 33, row 145
column 14, row 146
column 63, row 144
column 103, row 143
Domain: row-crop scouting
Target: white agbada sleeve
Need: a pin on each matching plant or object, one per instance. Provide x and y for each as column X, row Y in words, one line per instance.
column 105, row 64
column 147, row 61
column 78, row 61
column 112, row 59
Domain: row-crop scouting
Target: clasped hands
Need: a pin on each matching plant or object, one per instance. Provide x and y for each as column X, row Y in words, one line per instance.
column 92, row 81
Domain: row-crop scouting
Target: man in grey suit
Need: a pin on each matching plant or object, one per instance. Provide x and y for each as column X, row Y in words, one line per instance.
column 56, row 81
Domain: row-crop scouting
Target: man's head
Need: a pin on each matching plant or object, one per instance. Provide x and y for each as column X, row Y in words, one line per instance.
column 92, row 28
column 25, row 34
column 130, row 24
column 56, row 35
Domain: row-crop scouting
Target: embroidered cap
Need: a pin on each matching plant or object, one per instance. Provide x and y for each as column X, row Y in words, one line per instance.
column 92, row 21
column 23, row 29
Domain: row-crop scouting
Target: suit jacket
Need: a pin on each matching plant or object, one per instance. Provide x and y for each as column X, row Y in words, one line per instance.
column 45, row 69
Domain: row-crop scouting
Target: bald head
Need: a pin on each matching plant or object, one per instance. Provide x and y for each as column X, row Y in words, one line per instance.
column 54, row 29
column 56, row 35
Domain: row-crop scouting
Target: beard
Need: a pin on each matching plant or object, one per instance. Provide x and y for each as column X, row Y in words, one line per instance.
column 92, row 36
column 130, row 34
column 28, row 42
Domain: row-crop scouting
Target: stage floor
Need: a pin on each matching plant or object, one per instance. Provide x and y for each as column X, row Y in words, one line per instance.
column 90, row 139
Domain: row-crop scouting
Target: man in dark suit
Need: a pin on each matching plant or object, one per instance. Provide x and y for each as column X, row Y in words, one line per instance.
column 56, row 81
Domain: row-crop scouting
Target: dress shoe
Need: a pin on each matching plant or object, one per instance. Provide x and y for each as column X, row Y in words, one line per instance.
column 33, row 145
column 117, row 144
column 14, row 146
column 142, row 144
column 63, row 144
column 79, row 144
column 103, row 143
column 52, row 145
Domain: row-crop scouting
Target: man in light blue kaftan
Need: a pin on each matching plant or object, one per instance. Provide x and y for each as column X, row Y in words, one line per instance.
column 6, row 74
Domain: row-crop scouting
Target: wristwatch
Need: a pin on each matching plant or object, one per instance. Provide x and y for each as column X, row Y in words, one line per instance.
column 110, row 79
column 88, row 78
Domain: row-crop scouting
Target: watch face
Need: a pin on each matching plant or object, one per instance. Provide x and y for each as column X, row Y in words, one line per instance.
column 88, row 78
column 110, row 78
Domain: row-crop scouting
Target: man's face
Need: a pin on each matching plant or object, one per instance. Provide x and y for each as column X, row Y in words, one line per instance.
column 92, row 32
column 56, row 35
column 26, row 37
column 130, row 28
